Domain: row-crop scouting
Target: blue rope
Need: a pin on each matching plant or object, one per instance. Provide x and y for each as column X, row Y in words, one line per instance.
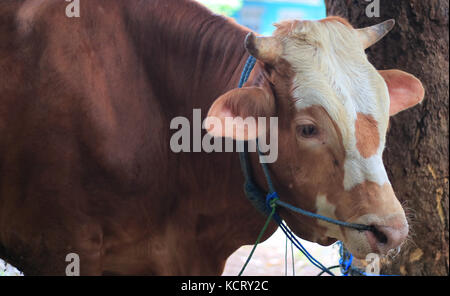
column 359, row 227
column 249, row 65
column 291, row 236
column 346, row 261
column 252, row 189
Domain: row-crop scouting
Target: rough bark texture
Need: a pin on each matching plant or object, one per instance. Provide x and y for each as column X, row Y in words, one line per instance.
column 416, row 156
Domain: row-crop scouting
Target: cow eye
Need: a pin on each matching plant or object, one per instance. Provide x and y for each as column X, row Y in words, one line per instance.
column 307, row 131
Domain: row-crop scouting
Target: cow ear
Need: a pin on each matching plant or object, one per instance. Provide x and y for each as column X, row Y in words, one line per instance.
column 235, row 114
column 405, row 90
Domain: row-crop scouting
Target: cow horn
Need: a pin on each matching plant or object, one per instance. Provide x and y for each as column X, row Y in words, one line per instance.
column 266, row 49
column 371, row 35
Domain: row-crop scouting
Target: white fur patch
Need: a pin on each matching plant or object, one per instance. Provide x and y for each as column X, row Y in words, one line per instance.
column 358, row 170
column 332, row 71
column 325, row 208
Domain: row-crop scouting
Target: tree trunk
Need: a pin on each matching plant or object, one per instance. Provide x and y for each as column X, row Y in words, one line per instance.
column 416, row 156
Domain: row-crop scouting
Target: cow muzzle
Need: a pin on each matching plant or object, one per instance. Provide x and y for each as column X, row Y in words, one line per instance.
column 389, row 236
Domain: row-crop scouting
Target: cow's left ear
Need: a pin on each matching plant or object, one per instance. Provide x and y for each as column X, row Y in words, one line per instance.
column 235, row 114
column 405, row 90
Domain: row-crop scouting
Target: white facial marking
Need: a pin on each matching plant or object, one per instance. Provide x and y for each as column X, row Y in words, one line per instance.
column 358, row 170
column 325, row 208
column 332, row 71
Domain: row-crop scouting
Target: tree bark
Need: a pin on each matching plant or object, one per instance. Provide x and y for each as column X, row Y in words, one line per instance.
column 416, row 156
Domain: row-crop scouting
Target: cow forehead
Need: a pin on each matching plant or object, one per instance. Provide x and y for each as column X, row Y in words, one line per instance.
column 332, row 71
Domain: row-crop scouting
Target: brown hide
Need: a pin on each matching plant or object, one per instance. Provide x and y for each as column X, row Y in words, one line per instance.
column 85, row 163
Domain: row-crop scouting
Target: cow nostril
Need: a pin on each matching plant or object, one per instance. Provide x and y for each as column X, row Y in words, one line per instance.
column 379, row 235
column 384, row 237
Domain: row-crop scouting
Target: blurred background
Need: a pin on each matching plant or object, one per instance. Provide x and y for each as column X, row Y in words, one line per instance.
column 259, row 15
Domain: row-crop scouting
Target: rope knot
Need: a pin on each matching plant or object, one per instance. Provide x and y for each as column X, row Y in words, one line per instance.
column 271, row 200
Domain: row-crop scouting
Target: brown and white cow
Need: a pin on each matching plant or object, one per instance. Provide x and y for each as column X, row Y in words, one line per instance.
column 85, row 109
column 333, row 108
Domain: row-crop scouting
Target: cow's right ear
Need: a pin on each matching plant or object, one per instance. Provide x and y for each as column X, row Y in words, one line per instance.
column 235, row 114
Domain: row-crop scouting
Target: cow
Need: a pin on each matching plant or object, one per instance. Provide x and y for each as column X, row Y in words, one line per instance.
column 86, row 167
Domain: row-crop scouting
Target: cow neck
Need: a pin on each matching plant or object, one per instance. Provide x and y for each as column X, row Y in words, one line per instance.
column 193, row 55
column 199, row 52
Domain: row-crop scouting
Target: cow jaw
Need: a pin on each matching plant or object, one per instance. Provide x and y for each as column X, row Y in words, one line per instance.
column 374, row 205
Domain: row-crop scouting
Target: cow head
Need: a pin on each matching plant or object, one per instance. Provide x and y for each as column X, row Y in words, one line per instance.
column 333, row 110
